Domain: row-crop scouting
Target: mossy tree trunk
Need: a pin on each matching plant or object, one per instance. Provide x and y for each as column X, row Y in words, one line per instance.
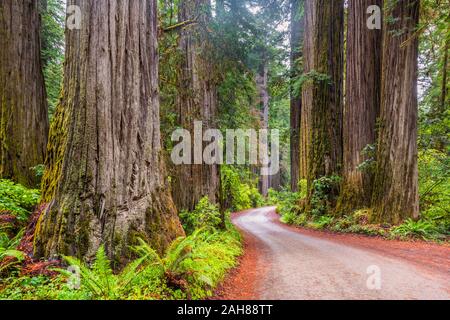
column 197, row 101
column 322, row 94
column 362, row 105
column 106, row 177
column 23, row 105
column 297, row 30
column 395, row 193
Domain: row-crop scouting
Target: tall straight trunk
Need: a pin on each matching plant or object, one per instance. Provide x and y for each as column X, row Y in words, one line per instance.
column 197, row 101
column 297, row 29
column 110, row 188
column 395, row 194
column 262, row 85
column 362, row 105
column 322, row 95
column 23, row 106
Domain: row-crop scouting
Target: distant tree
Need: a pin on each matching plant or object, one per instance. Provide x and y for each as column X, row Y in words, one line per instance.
column 23, row 107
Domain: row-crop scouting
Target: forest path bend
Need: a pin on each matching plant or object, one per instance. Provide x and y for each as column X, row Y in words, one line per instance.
column 295, row 264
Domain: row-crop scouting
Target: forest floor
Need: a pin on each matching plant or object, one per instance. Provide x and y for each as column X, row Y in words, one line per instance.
column 285, row 262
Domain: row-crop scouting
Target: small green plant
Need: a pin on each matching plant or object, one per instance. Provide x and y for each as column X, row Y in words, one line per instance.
column 8, row 249
column 17, row 199
column 421, row 229
column 205, row 215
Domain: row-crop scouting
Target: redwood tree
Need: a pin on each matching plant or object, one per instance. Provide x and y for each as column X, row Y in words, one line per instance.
column 322, row 92
column 297, row 30
column 197, row 101
column 23, row 106
column 110, row 188
column 362, row 105
column 395, row 193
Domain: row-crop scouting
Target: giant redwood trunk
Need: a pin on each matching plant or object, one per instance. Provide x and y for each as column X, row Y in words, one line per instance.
column 197, row 101
column 110, row 188
column 395, row 194
column 23, row 106
column 297, row 28
column 362, row 105
column 322, row 93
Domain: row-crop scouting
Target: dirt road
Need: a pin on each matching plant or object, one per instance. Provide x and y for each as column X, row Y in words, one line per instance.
column 283, row 262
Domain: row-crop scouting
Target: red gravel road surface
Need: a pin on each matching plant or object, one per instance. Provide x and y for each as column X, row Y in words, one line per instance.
column 288, row 263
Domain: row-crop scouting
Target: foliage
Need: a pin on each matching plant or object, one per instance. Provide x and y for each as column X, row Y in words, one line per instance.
column 190, row 268
column 17, row 199
column 99, row 279
column 285, row 201
column 205, row 215
column 423, row 229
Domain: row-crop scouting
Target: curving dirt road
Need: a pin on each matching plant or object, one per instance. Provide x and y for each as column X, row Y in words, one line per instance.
column 283, row 262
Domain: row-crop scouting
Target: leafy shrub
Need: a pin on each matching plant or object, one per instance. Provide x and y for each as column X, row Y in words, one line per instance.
column 17, row 199
column 99, row 279
column 421, row 229
column 434, row 188
column 242, row 194
column 205, row 215
column 286, row 202
column 289, row 218
column 190, row 268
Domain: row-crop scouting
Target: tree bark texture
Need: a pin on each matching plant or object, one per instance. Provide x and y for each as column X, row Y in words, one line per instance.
column 197, row 101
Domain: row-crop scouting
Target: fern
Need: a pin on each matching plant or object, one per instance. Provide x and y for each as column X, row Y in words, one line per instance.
column 8, row 249
column 100, row 280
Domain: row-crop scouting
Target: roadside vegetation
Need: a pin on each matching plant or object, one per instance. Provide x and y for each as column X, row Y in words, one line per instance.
column 434, row 224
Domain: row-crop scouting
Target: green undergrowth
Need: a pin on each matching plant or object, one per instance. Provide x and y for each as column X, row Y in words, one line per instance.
column 191, row 268
column 434, row 224
column 17, row 200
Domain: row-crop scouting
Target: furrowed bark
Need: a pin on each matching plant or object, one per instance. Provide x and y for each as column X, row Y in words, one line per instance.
column 197, row 101
column 322, row 94
column 395, row 194
column 23, row 105
column 362, row 105
column 110, row 187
